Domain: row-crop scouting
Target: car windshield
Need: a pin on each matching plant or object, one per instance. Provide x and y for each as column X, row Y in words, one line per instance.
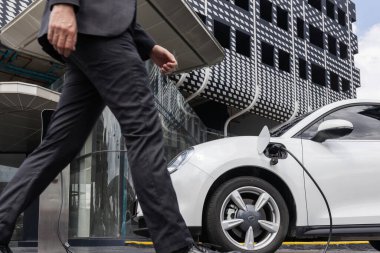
column 282, row 128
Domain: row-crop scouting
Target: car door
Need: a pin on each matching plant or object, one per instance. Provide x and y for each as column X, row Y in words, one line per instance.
column 347, row 168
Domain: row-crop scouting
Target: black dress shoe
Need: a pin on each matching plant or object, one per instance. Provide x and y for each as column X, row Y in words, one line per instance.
column 5, row 249
column 202, row 249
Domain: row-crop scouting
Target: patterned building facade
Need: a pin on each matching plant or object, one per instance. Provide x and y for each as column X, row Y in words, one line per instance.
column 298, row 53
column 10, row 8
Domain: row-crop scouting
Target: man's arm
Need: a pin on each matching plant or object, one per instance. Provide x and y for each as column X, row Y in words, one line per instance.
column 144, row 42
column 148, row 48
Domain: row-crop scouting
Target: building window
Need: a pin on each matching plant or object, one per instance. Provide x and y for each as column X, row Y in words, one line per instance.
column 343, row 49
column 244, row 4
column 345, row 85
column 316, row 36
column 332, row 45
column 266, row 10
column 330, row 9
column 284, row 60
column 302, row 69
column 334, row 81
column 341, row 17
column 267, row 54
column 316, row 4
column 243, row 43
column 300, row 28
column 282, row 18
column 202, row 17
column 318, row 75
column 222, row 34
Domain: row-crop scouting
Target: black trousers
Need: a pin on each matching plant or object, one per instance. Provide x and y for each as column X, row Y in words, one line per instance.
column 104, row 71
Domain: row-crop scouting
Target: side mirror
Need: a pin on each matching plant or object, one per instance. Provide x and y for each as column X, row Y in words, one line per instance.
column 333, row 129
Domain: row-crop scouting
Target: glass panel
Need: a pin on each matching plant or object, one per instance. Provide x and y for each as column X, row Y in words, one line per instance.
column 95, row 204
column 95, row 209
column 181, row 126
column 9, row 164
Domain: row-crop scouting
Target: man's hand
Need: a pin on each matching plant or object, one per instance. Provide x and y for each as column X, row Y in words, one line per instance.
column 163, row 59
column 62, row 33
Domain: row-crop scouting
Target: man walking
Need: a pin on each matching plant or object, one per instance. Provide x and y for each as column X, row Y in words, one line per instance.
column 103, row 49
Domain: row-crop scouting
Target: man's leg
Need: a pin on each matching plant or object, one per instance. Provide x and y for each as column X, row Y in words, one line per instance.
column 78, row 109
column 115, row 68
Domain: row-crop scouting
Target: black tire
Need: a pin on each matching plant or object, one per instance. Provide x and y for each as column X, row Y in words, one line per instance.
column 213, row 225
column 375, row 244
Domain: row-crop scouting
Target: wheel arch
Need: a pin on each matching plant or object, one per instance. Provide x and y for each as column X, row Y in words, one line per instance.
column 264, row 174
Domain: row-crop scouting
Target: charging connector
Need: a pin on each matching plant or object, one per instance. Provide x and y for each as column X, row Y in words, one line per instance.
column 275, row 151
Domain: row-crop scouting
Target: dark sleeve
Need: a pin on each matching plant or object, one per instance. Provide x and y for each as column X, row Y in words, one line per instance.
column 144, row 42
column 75, row 3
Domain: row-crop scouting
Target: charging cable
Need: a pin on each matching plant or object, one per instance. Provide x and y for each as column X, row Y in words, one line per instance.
column 320, row 190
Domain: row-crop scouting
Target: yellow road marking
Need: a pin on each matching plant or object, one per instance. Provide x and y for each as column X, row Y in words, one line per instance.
column 324, row 243
column 139, row 243
column 147, row 243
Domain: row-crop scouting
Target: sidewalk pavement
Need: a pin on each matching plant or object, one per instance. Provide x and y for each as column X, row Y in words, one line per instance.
column 284, row 249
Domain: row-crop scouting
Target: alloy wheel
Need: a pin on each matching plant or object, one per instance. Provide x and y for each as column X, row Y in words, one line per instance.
column 250, row 218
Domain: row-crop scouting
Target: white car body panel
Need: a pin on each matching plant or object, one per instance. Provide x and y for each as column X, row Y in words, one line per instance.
column 354, row 198
column 191, row 200
column 217, row 157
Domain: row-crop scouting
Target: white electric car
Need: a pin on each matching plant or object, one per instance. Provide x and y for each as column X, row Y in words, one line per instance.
column 242, row 199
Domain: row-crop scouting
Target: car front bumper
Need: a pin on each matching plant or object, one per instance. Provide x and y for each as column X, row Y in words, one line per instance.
column 191, row 185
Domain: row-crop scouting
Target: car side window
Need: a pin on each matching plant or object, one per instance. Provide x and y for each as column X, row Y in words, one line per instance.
column 365, row 118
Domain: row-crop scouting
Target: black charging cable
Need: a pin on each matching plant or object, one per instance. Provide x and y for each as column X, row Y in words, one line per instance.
column 320, row 190
column 65, row 245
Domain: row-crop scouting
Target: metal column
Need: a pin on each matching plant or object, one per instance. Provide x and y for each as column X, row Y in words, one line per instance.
column 50, row 206
column 54, row 207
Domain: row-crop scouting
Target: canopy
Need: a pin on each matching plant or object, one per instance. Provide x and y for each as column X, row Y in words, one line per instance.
column 21, row 105
column 173, row 24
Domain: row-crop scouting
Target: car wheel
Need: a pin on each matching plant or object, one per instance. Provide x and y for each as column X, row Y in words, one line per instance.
column 247, row 214
column 375, row 244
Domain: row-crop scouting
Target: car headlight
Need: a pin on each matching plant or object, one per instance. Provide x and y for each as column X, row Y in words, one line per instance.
column 179, row 160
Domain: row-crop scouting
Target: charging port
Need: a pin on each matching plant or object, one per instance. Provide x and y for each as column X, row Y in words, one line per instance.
column 275, row 151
